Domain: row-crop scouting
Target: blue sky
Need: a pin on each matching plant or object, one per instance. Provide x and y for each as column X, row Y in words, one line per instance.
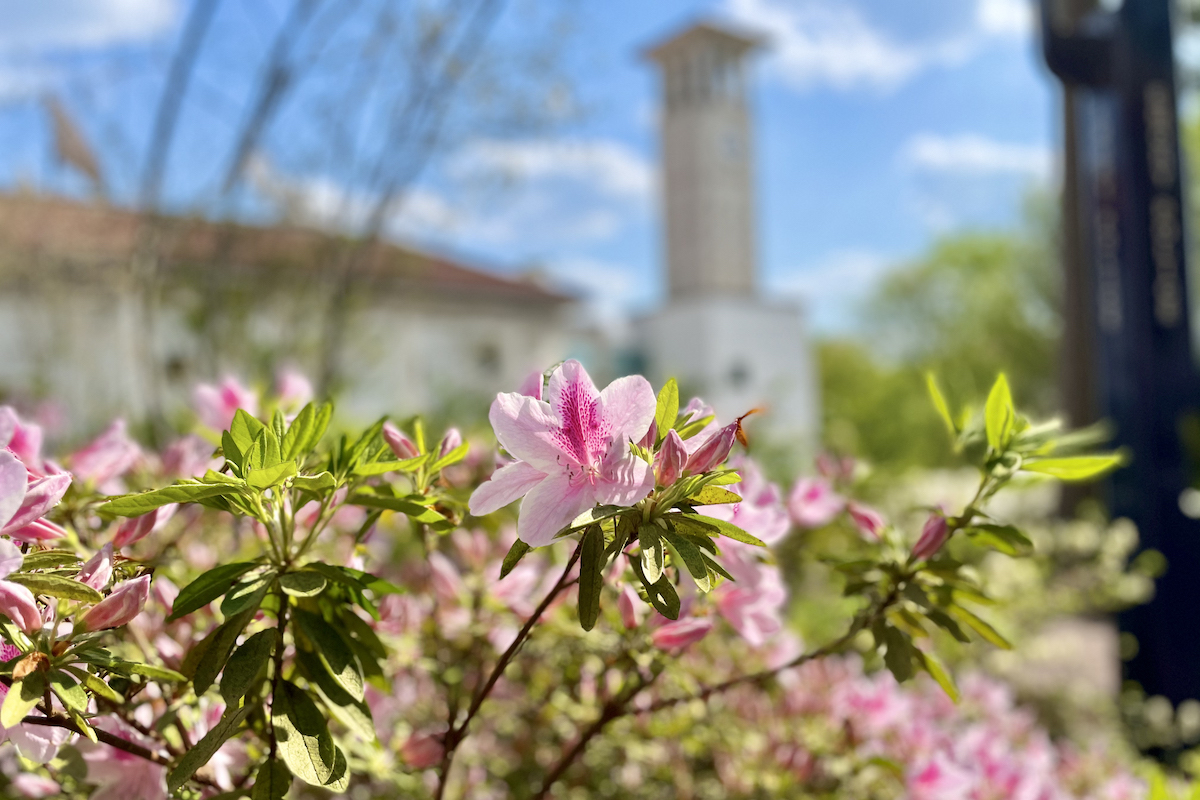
column 880, row 125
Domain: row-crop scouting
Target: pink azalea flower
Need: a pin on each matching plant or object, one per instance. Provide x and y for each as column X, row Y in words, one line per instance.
column 24, row 439
column 14, row 478
column 933, row 536
column 572, row 451
column 216, row 405
column 125, row 603
column 869, row 522
column 813, row 503
column 940, row 779
column 678, row 635
column 134, row 529
column 98, row 569
column 189, row 457
column 754, row 610
column 630, row 607
column 122, row 776
column 34, row 786
column 40, row 495
column 761, row 511
column 447, row 582
column 293, row 389
column 16, row 601
column 110, row 455
column 532, row 385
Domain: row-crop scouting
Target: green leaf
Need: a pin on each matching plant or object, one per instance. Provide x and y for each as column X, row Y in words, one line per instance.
column 333, row 651
column 22, row 696
column 264, row 452
column 939, row 673
column 56, row 586
column 693, row 559
column 713, row 495
column 354, row 714
column 999, row 414
column 248, row 660
column 1004, row 538
column 272, row 782
column 339, row 781
column 384, row 467
column 134, row 505
column 150, row 671
column 303, row 584
column 453, row 457
column 980, row 626
column 725, row 479
column 945, row 622
column 418, row 513
column 244, row 430
column 304, row 742
column 49, row 559
column 306, row 431
column 515, row 554
column 1074, row 468
column 233, row 453
column 369, row 445
column 660, row 594
column 208, row 587
column 667, row 409
column 278, row 426
column 217, row 652
column 265, row 477
column 315, row 483
column 360, row 630
column 898, row 657
column 652, row 552
column 939, row 402
column 248, row 593
column 591, row 576
column 692, row 428
column 201, row 752
column 99, row 688
column 714, row 526
column 69, row 691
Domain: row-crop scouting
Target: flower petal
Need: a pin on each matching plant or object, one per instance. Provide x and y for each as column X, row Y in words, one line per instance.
column 40, row 530
column 628, row 405
column 568, row 383
column 525, row 428
column 13, row 480
column 623, row 480
column 506, row 485
column 11, row 558
column 40, row 496
column 549, row 507
column 8, row 425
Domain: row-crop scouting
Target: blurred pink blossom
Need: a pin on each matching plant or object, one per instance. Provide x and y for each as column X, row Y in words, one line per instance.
column 869, row 522
column 813, row 503
column 216, row 405
column 107, row 457
column 680, row 634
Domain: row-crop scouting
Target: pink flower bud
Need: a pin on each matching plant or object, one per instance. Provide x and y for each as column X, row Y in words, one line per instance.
column 714, row 451
column 422, row 751
column 40, row 496
column 292, row 388
column 39, row 530
column 125, row 603
column 813, row 503
column 671, row 459
column 630, row 607
column 651, row 438
column 135, row 529
column 933, row 536
column 451, row 440
column 678, row 635
column 98, row 569
column 869, row 521
column 401, row 445
column 532, row 385
column 17, row 603
column 25, row 440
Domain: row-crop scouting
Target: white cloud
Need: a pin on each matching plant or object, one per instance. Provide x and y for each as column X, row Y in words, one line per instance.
column 972, row 155
column 1005, row 17
column 56, row 24
column 609, row 166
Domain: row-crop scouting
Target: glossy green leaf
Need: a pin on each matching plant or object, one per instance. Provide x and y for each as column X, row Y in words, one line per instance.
column 1074, row 468
column 247, row 593
column 208, row 587
column 667, row 409
column 315, row 483
column 303, row 584
column 134, row 505
column 453, row 457
column 999, row 414
column 303, row 738
column 591, row 576
column 56, row 586
column 22, row 696
column 244, row 430
column 266, row 477
column 201, row 752
column 693, row 560
column 333, row 651
column 216, row 653
column 651, row 552
column 713, row 495
column 49, row 559
column 69, row 691
column 339, row 781
column 272, row 782
column 247, row 662
column 660, row 594
column 514, row 556
column 715, row 526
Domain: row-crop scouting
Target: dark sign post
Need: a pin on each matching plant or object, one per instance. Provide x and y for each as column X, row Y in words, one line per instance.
column 1119, row 71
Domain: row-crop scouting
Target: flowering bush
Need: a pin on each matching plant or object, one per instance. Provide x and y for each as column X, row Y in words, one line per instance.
column 360, row 614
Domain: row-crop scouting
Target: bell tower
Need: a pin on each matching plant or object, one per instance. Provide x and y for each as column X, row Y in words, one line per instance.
column 707, row 162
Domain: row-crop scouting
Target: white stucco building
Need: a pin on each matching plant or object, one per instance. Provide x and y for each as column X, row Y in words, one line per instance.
column 717, row 333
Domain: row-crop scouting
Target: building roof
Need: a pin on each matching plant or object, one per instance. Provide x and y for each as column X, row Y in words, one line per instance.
column 44, row 228
column 704, row 33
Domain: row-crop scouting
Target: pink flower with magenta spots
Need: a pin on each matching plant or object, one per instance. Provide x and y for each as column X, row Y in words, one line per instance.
column 572, row 451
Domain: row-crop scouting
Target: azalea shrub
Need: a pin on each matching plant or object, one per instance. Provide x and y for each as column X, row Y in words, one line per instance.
column 273, row 606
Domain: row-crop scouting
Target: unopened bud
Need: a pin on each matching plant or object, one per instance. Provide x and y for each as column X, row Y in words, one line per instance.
column 868, row 521
column 120, row 607
column 671, row 459
column 678, row 635
column 401, row 445
column 714, row 451
column 933, row 536
column 451, row 440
